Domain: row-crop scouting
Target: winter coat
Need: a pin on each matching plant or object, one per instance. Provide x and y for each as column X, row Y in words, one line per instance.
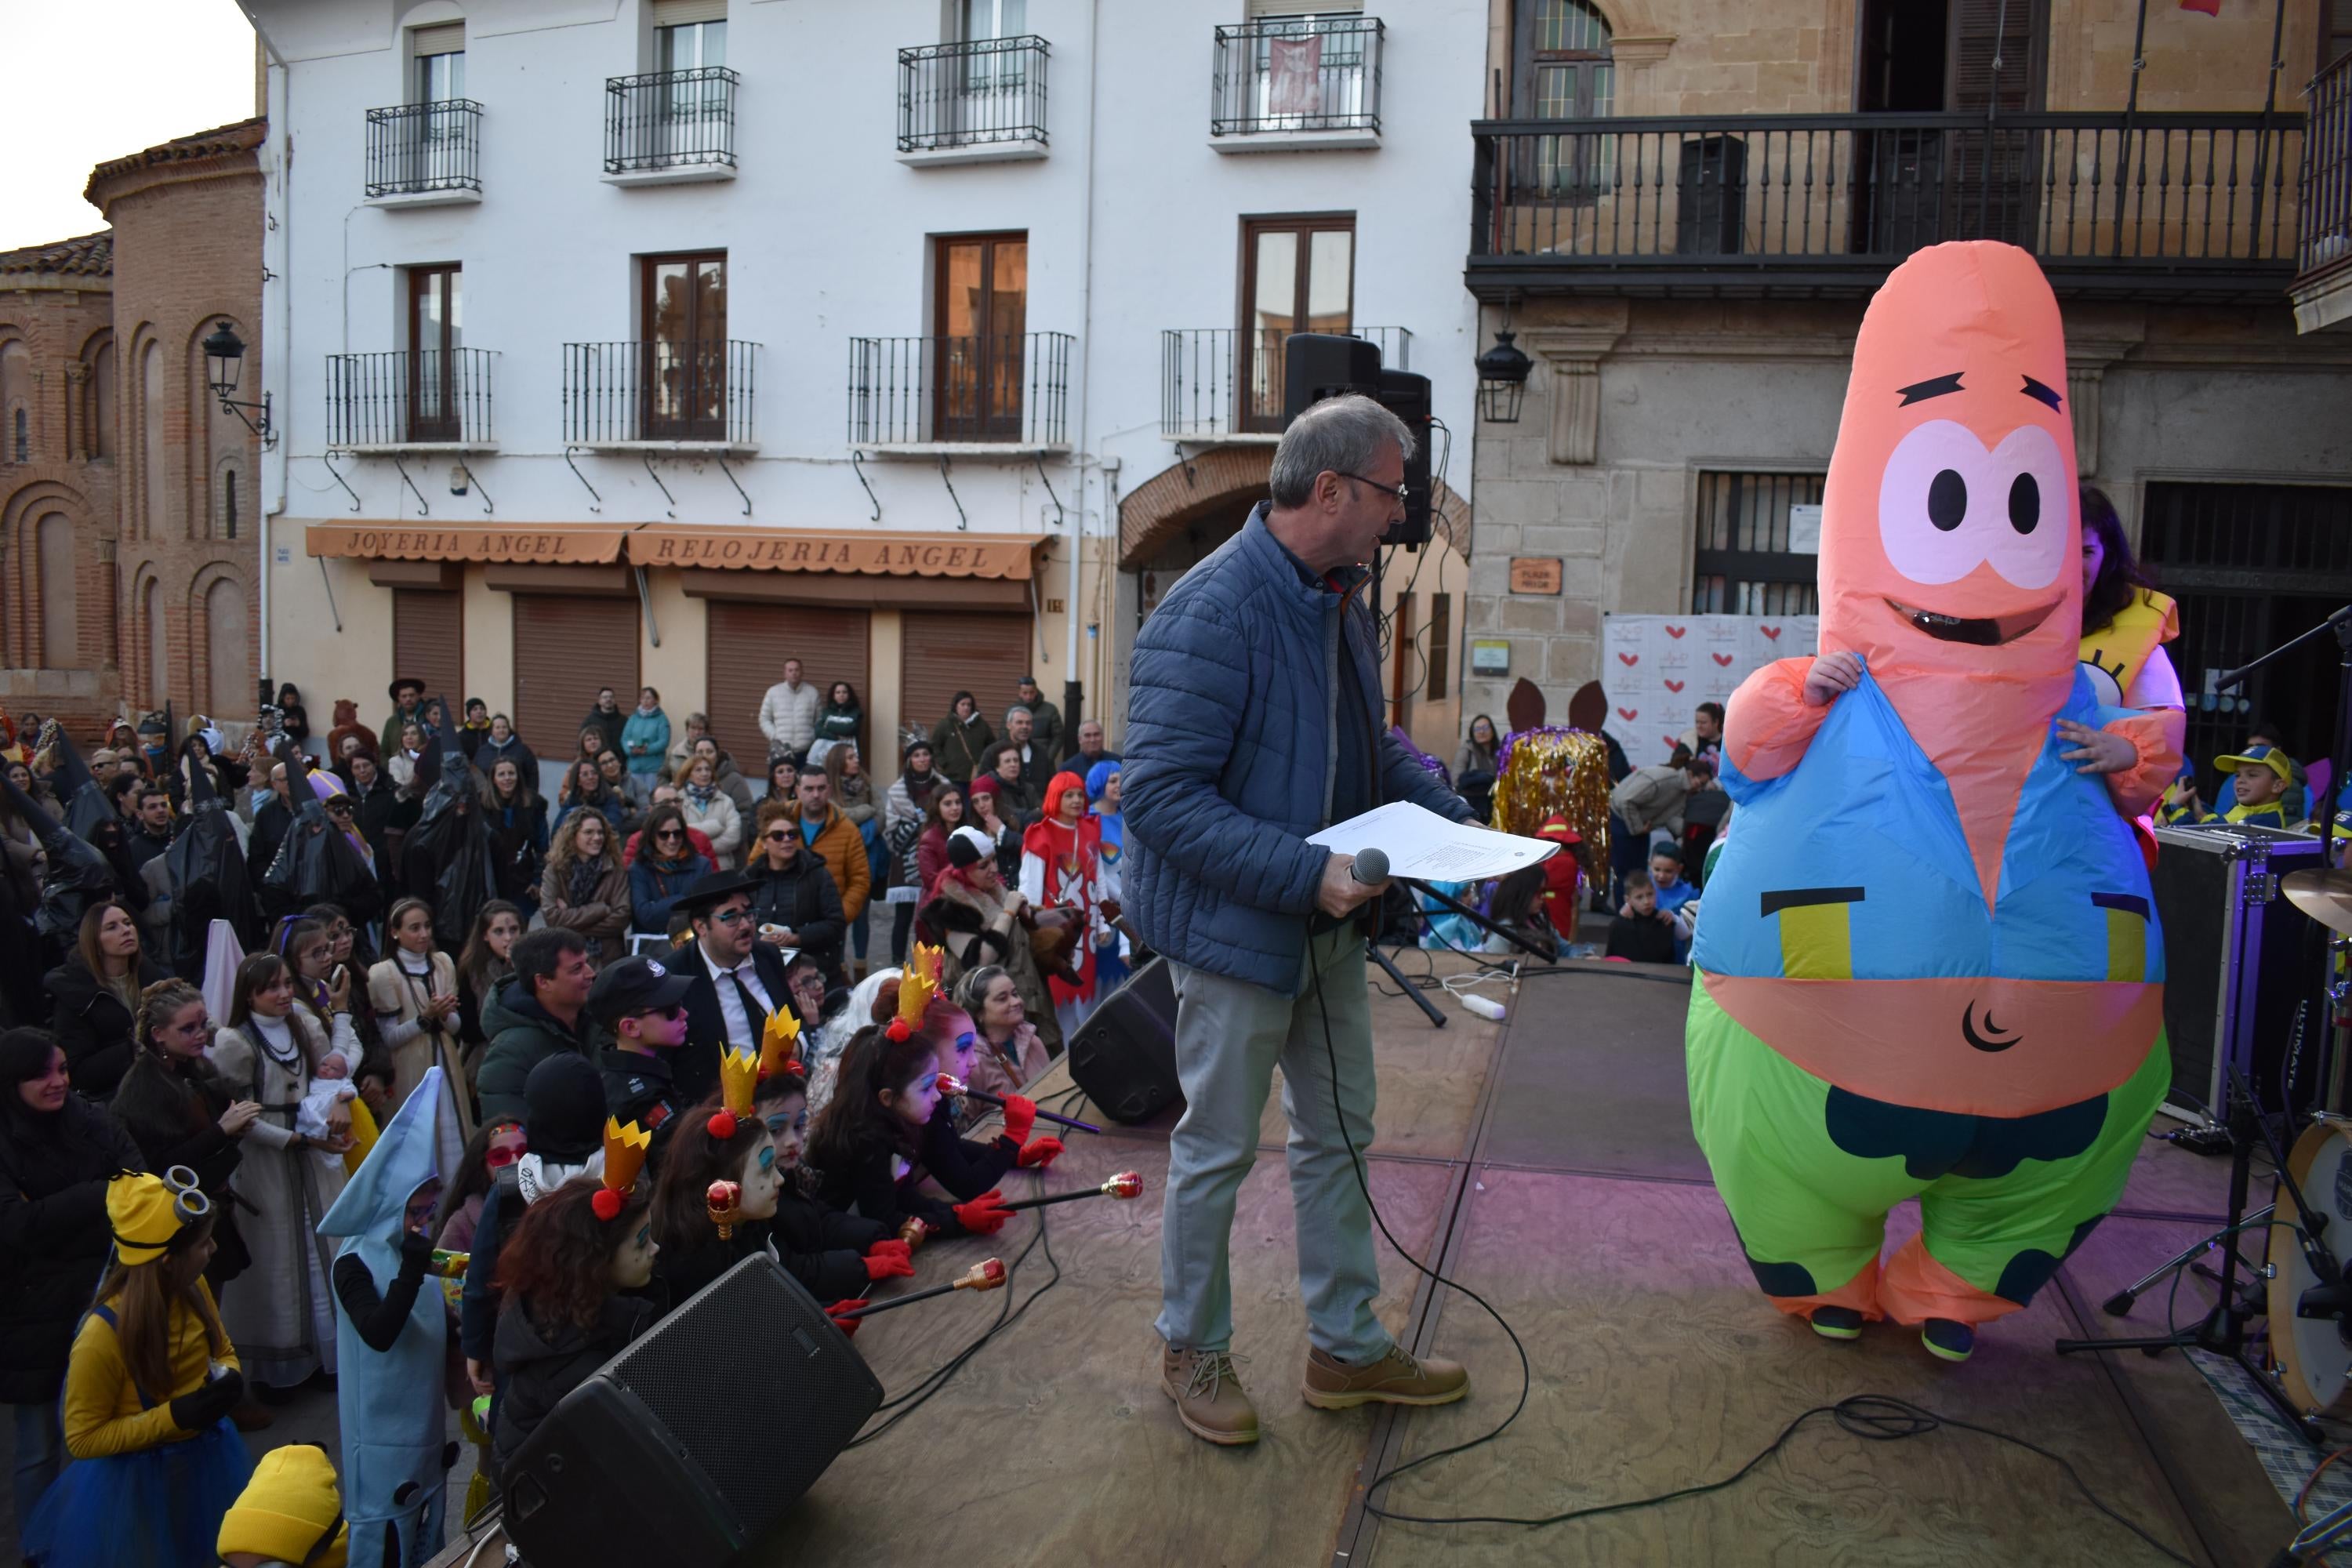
column 841, row 723
column 717, row 820
column 53, row 1235
column 603, row 918
column 821, row 1249
column 906, row 801
column 957, row 746
column 843, row 849
column 805, row 900
column 92, row 1025
column 856, row 799
column 609, row 725
column 1231, row 753
column 736, row 787
column 788, row 718
column 522, row 1034
column 654, row 886
column 538, row 1367
column 644, row 741
column 1044, row 726
column 491, row 753
column 963, row 1168
column 517, row 848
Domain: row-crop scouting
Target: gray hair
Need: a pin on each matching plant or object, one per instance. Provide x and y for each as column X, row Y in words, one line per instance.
column 1340, row 435
column 1021, row 708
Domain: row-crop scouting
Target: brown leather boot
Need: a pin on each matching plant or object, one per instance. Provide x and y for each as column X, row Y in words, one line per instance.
column 1397, row 1378
column 1208, row 1395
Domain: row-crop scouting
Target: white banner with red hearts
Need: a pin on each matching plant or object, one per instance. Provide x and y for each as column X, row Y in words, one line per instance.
column 1658, row 669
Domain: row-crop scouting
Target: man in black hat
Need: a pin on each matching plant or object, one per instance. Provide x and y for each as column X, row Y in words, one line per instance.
column 407, row 707
column 642, row 1005
column 738, row 980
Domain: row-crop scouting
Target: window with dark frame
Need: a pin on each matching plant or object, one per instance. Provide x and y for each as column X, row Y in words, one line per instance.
column 228, row 504
column 1743, row 564
column 682, row 326
column 1561, row 68
column 436, row 334
column 980, row 322
column 2335, row 36
column 1298, row 275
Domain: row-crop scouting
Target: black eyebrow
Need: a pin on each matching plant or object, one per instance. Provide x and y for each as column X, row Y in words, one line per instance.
column 1934, row 386
column 2039, row 393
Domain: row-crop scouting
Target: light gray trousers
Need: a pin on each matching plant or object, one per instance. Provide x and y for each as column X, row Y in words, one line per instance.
column 1229, row 1036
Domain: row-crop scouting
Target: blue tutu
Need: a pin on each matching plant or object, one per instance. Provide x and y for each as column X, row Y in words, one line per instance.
column 158, row 1508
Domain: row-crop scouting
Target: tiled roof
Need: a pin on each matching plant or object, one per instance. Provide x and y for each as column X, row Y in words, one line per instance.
column 89, row 255
column 241, row 137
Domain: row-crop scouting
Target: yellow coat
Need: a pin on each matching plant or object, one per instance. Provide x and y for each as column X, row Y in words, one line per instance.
column 102, row 1412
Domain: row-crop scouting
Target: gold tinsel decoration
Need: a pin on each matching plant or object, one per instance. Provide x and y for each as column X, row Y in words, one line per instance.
column 1554, row 770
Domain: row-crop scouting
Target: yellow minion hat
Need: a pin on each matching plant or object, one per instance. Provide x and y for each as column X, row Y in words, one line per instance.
column 147, row 1213
column 288, row 1510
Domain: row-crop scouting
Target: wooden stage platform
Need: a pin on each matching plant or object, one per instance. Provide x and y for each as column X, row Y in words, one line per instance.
column 1548, row 1161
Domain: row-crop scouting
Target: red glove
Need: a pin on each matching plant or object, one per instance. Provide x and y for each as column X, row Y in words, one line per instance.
column 848, row 1326
column 885, row 1265
column 985, row 1214
column 1020, row 1115
column 1040, row 1153
column 889, row 1246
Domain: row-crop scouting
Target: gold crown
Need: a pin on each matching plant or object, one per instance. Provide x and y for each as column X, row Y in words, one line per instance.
column 739, row 1077
column 917, row 984
column 624, row 1154
column 780, row 1043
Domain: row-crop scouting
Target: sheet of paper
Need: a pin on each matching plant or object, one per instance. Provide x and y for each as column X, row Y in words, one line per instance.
column 1424, row 846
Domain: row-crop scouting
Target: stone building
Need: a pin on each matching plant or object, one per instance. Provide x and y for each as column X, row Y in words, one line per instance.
column 1681, row 218
column 127, row 512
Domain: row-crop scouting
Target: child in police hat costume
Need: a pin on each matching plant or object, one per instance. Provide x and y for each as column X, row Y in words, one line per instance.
column 147, row 1396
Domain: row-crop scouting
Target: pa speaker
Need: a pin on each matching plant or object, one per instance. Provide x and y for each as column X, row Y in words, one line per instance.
column 671, row 1453
column 1317, row 365
column 1124, row 1054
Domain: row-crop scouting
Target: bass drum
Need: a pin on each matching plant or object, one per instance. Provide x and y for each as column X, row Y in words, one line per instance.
column 2314, row 1357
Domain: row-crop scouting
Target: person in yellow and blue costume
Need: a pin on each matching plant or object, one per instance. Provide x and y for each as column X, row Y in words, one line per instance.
column 2267, row 794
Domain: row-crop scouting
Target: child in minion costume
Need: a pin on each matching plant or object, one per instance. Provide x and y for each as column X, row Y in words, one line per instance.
column 291, row 1512
column 1930, row 965
column 388, row 1400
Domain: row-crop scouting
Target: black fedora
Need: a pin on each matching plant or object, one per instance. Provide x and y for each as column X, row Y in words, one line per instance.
column 715, row 887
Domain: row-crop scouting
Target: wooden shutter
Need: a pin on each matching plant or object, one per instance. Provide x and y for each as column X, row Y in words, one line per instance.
column 679, row 13
column 565, row 647
column 443, row 38
column 1441, row 644
column 942, row 652
column 428, row 642
column 2016, row 30
column 746, row 649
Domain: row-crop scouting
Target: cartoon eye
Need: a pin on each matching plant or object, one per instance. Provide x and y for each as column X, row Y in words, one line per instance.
column 2027, row 546
column 1933, row 476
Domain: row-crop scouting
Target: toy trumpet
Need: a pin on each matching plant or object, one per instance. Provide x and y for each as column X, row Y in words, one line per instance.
column 725, row 1201
column 988, row 1274
column 1126, row 1184
column 951, row 1084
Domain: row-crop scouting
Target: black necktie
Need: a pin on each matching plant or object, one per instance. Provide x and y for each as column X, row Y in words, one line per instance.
column 754, row 1016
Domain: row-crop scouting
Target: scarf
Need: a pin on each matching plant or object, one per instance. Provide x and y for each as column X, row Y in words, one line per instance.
column 581, row 888
column 700, row 794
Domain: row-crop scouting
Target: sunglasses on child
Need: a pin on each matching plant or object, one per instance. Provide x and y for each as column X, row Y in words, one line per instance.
column 781, row 836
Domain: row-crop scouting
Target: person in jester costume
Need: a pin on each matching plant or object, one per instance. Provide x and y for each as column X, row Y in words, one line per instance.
column 1929, row 965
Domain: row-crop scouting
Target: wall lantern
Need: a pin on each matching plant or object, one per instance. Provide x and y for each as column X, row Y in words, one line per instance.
column 1502, row 379
column 224, row 358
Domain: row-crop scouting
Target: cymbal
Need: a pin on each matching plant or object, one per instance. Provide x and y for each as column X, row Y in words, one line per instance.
column 2324, row 896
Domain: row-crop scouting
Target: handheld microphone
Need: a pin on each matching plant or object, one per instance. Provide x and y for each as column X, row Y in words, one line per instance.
column 1371, row 867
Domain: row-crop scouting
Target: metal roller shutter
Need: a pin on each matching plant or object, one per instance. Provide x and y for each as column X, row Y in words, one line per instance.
column 947, row 651
column 566, row 647
column 428, row 641
column 746, row 649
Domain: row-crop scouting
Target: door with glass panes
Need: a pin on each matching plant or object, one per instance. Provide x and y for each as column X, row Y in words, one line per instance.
column 690, row 125
column 990, row 103
column 979, row 320
column 683, row 350
column 436, row 334
column 1298, row 275
column 440, row 83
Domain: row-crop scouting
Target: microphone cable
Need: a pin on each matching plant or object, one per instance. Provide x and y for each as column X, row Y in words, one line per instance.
column 1874, row 1417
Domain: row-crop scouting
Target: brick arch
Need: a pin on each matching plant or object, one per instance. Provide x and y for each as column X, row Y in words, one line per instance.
column 142, row 636
column 21, row 511
column 235, row 701
column 1222, row 477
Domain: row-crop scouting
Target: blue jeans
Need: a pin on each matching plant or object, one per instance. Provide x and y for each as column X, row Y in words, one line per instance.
column 40, row 1453
column 1229, row 1035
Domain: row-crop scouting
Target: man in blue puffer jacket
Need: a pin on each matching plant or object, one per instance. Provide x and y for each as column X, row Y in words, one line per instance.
column 1254, row 719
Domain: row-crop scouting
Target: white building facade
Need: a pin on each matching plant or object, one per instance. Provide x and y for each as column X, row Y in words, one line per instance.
column 653, row 342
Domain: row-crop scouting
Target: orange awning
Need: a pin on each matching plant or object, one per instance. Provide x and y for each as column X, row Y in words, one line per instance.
column 571, row 544
column 871, row 553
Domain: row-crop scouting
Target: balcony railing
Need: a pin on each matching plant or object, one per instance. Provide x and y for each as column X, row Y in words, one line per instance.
column 987, row 92
column 425, row 397
column 625, row 392
column 1216, row 382
column 1297, row 74
column 669, row 120
column 2149, row 204
column 2326, row 238
column 1013, row 389
column 416, row 148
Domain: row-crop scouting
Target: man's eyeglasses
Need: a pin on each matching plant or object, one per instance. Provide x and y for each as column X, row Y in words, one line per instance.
column 732, row 917
column 1402, row 494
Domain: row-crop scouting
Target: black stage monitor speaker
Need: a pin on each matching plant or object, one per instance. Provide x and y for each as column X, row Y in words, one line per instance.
column 682, row 1448
column 1317, row 365
column 1124, row 1054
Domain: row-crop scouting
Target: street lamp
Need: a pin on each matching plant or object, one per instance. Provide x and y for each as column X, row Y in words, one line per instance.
column 224, row 358
column 1502, row 379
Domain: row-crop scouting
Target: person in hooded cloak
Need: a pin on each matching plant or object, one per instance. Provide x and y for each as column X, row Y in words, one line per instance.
column 446, row 858
column 208, row 880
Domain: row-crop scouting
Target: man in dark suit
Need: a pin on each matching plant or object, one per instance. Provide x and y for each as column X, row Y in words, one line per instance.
column 737, row 979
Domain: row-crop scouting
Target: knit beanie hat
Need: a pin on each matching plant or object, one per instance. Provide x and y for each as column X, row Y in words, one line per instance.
column 563, row 1108
column 288, row 1508
column 967, row 846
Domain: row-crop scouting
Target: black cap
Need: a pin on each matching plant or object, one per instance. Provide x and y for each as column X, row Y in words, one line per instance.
column 715, row 887
column 635, row 984
column 563, row 1108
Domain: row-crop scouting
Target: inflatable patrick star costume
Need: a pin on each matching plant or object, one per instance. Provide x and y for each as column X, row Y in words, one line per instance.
column 1930, row 965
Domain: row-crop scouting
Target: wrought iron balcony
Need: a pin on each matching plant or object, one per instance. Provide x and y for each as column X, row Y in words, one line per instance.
column 1298, row 78
column 1220, row 381
column 665, row 121
column 2142, row 206
column 412, row 398
column 426, row 149
column 2323, row 284
column 974, row 99
column 1009, row 390
column 631, row 394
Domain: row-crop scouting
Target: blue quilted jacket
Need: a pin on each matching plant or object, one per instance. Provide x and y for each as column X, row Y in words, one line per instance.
column 1230, row 760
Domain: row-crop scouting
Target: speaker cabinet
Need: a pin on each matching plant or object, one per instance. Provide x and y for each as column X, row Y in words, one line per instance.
column 1124, row 1054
